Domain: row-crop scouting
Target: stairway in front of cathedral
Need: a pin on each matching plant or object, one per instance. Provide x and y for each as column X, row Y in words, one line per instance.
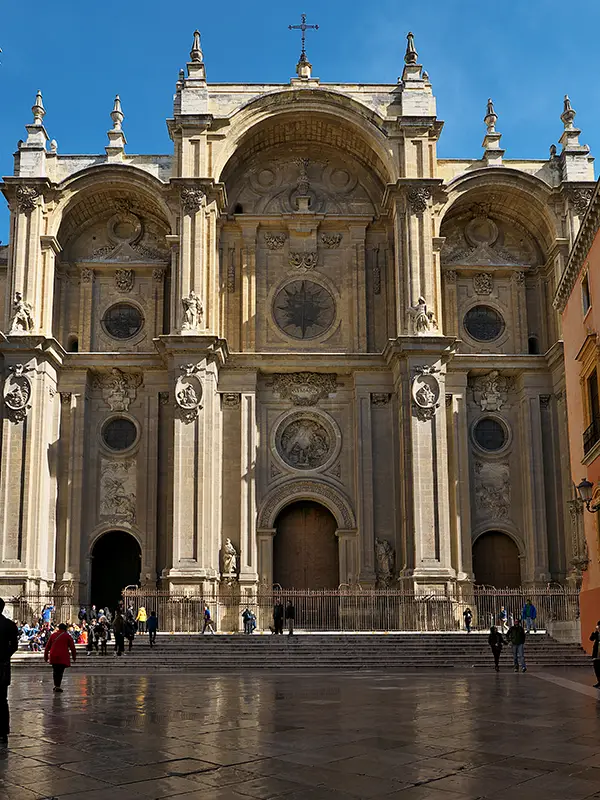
column 183, row 652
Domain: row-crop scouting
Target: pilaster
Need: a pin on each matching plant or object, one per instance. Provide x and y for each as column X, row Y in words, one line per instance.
column 457, row 431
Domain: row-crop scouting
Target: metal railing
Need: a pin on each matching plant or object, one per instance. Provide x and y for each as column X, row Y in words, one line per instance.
column 591, row 435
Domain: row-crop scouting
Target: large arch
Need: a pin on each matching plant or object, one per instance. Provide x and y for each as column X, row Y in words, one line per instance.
column 304, row 489
column 497, row 559
column 305, row 547
column 115, row 562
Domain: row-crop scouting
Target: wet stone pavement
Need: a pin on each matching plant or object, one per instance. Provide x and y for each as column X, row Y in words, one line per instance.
column 430, row 735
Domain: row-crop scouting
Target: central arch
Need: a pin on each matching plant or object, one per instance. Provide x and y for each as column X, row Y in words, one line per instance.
column 116, row 563
column 305, row 547
column 496, row 560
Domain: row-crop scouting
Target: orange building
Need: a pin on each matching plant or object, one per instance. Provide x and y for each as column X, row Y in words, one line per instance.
column 578, row 299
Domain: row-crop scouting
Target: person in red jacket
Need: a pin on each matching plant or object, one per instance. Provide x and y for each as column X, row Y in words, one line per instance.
column 58, row 652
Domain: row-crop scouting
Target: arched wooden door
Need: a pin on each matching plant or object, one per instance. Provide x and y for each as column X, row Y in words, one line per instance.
column 496, row 560
column 305, row 548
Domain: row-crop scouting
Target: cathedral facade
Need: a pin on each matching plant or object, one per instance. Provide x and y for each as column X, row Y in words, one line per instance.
column 300, row 349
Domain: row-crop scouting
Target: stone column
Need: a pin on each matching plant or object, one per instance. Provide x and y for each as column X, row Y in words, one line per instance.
column 519, row 312
column 86, row 307
column 248, row 286
column 364, row 463
column 264, row 543
column 348, row 556
column 450, row 303
column 457, row 430
column 359, row 288
column 249, row 455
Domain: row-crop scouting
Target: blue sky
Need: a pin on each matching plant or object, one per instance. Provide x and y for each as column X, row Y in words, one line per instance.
column 525, row 54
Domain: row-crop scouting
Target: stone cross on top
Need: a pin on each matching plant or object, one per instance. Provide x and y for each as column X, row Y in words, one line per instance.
column 303, row 67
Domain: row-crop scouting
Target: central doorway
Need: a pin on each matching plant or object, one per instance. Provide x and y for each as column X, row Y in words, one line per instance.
column 116, row 563
column 496, row 561
column 305, row 548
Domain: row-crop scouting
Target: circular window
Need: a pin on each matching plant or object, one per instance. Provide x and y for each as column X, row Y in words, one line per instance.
column 490, row 434
column 483, row 323
column 122, row 321
column 304, row 309
column 119, row 433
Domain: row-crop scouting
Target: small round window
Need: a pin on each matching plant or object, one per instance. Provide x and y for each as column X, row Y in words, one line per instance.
column 484, row 324
column 490, row 434
column 119, row 433
column 122, row 321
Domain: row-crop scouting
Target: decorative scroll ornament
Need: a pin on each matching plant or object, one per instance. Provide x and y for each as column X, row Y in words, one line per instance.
column 303, row 261
column 490, row 391
column 417, row 199
column 425, row 393
column 580, row 199
column 483, row 283
column 87, row 275
column 124, row 280
column 229, row 558
column 193, row 312
column 384, row 562
column 191, row 199
column 188, row 392
column 118, row 388
column 27, row 197
column 423, row 320
column 22, row 321
column 304, row 388
column 17, row 392
column 331, row 240
column 158, row 275
column 274, row 241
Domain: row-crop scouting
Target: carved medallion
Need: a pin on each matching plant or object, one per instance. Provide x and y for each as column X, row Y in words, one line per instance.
column 304, row 309
column 425, row 393
column 17, row 392
column 188, row 392
column 307, row 440
column 304, row 388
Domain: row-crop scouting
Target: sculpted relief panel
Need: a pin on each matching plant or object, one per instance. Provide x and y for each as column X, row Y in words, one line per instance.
column 306, row 440
column 118, row 490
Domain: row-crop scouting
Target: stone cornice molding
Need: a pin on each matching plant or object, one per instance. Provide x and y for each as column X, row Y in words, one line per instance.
column 33, row 346
column 579, row 252
column 212, row 348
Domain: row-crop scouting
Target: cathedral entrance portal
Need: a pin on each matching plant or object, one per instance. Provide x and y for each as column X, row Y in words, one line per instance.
column 116, row 563
column 305, row 547
column 496, row 561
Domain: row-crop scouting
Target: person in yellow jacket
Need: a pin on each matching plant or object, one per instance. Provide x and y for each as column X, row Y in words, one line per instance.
column 141, row 619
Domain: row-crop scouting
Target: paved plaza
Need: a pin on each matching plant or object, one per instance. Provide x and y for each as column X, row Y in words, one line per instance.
column 429, row 735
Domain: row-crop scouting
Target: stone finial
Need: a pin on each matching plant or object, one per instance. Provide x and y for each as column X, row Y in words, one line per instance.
column 116, row 137
column 117, row 115
column 38, row 110
column 411, row 55
column 491, row 117
column 568, row 114
column 54, row 147
column 196, row 54
column 491, row 141
column 552, row 151
column 575, row 162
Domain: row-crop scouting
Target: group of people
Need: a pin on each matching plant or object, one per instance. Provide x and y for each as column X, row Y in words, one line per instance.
column 280, row 614
column 504, row 621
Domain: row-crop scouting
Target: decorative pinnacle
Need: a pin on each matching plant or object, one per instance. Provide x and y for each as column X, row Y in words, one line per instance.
column 117, row 115
column 196, row 51
column 491, row 117
column 38, row 110
column 568, row 114
column 411, row 55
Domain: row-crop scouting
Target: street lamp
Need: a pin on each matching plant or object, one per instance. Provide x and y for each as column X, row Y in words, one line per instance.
column 585, row 489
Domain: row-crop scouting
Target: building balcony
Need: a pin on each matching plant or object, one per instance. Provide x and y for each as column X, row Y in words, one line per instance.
column 591, row 435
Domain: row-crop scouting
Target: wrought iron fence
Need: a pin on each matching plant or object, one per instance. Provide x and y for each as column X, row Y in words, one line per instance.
column 29, row 607
column 358, row 610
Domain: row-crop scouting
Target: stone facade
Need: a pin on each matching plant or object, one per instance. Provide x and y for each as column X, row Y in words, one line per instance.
column 300, row 302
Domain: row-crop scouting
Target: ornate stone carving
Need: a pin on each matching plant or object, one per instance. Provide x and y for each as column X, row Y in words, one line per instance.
column 188, row 392
column 304, row 388
column 158, row 275
column 492, row 489
column 545, row 400
column 191, row 199
column 22, row 320
column 274, row 241
column 87, row 275
column 424, row 320
column 376, row 272
column 336, row 470
column 17, row 392
column 304, row 443
column 450, row 275
column 163, row 398
column 118, row 388
column 331, row 497
column 231, row 270
column 384, row 562
column 418, row 197
column 518, row 278
column 448, row 401
column 275, row 471
column 425, row 393
column 380, row 398
column 490, row 391
column 124, row 280
column 118, row 490
column 231, row 399
column 193, row 312
column 483, row 283
column 65, row 398
column 580, row 199
column 303, row 261
column 229, row 559
column 579, row 549
column 331, row 240
column 27, row 198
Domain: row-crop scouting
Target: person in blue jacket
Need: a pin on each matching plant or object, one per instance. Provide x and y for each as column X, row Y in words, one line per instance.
column 528, row 616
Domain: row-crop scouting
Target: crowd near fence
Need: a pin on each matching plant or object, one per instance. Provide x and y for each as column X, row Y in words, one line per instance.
column 341, row 610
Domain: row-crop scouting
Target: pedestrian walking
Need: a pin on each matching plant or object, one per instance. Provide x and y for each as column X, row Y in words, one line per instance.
column 290, row 613
column 60, row 649
column 528, row 616
column 119, row 632
column 208, row 623
column 595, row 638
column 9, row 644
column 152, row 627
column 101, row 635
column 129, row 632
column 503, row 619
column 141, row 619
column 516, row 637
column 278, row 617
column 496, row 643
column 468, row 618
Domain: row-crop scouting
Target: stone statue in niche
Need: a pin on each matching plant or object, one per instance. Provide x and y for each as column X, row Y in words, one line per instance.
column 22, row 321
column 229, row 558
column 193, row 312
column 423, row 320
column 384, row 562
